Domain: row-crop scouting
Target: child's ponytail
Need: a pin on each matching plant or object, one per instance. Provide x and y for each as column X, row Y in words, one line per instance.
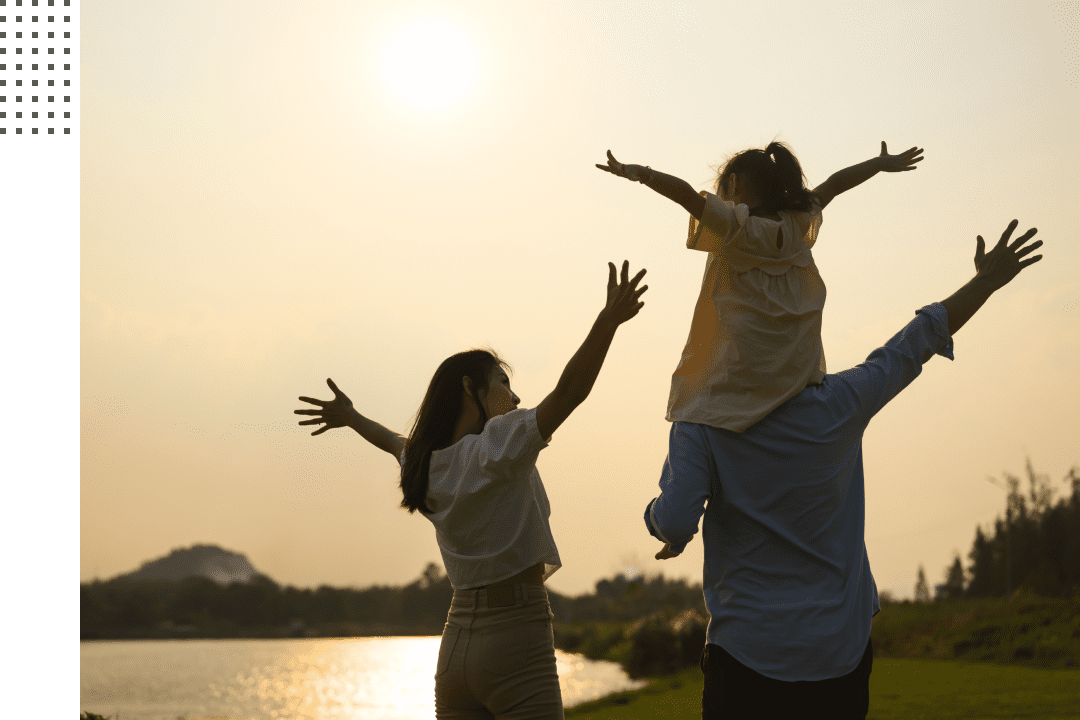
column 775, row 174
column 789, row 190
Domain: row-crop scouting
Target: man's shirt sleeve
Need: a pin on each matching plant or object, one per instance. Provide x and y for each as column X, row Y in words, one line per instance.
column 685, row 487
column 650, row 524
column 891, row 368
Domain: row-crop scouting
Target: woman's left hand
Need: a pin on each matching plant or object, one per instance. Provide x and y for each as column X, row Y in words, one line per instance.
column 637, row 173
column 898, row 163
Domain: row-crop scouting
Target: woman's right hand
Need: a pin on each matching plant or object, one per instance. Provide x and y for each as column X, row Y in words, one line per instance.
column 332, row 413
column 637, row 173
column 622, row 296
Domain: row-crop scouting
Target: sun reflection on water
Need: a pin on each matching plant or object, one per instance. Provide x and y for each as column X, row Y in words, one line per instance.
column 328, row 679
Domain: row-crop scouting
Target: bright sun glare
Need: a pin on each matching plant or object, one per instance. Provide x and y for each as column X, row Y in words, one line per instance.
column 429, row 63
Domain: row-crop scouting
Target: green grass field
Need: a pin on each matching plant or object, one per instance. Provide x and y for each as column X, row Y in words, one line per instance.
column 909, row 689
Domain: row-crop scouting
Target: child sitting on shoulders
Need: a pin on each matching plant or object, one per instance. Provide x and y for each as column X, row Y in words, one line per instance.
column 755, row 338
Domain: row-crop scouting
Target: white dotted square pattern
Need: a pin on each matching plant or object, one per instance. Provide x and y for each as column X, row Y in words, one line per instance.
column 28, row 202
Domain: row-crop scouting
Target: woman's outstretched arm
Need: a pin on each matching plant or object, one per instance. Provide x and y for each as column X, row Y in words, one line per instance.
column 577, row 379
column 669, row 186
column 849, row 177
column 340, row 412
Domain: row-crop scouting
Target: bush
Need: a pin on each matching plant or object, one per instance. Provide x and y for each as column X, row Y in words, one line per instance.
column 660, row 645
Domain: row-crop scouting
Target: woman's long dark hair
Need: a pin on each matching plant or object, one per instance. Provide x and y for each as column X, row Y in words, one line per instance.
column 437, row 417
column 774, row 174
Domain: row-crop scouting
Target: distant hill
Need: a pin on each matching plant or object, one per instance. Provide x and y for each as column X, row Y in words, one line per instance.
column 209, row 561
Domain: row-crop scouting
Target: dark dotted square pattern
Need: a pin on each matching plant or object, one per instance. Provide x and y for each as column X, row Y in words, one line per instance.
column 37, row 74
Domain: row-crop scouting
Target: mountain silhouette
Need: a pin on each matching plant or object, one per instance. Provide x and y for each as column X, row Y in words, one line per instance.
column 209, row 561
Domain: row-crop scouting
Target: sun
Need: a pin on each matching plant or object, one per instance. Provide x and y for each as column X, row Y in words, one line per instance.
column 429, row 63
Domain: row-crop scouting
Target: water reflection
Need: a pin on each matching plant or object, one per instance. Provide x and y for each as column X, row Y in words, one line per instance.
column 329, row 679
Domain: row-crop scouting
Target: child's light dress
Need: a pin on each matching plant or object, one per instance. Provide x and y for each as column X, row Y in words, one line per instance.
column 755, row 339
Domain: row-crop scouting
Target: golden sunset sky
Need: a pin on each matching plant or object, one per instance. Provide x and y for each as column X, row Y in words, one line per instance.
column 274, row 193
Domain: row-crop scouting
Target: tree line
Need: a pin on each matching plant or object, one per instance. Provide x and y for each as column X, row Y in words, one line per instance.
column 1034, row 548
column 199, row 607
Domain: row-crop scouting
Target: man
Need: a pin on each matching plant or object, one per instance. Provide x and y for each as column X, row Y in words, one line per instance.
column 787, row 580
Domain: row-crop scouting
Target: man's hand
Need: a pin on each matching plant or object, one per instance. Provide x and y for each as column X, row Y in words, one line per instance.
column 999, row 266
column 665, row 553
column 993, row 271
column 637, row 173
column 622, row 297
column 333, row 413
column 898, row 163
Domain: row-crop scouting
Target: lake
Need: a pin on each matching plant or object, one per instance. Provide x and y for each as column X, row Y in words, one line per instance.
column 387, row 678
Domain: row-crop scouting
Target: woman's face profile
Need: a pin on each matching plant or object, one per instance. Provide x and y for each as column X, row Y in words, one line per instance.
column 499, row 399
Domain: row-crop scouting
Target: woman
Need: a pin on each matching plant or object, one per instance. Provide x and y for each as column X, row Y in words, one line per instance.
column 469, row 466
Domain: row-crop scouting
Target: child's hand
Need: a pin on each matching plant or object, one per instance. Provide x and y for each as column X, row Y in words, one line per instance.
column 665, row 553
column 898, row 163
column 333, row 413
column 637, row 173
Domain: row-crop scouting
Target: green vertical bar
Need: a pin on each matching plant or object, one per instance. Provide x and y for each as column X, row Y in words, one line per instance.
column 39, row 358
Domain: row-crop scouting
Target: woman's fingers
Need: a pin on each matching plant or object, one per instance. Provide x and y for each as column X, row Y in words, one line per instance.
column 313, row 401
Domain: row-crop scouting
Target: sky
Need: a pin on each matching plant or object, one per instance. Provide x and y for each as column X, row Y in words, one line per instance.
column 268, row 197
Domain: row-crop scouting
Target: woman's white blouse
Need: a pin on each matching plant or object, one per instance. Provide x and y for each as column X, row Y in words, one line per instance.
column 755, row 340
column 488, row 505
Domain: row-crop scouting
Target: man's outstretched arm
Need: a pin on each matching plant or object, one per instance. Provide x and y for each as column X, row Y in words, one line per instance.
column 889, row 369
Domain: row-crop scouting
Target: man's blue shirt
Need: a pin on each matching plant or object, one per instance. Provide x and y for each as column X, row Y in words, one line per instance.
column 787, row 580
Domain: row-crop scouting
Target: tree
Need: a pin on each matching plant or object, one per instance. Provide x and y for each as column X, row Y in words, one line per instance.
column 922, row 592
column 430, row 577
column 1041, row 492
column 981, row 573
column 953, row 587
column 1036, row 546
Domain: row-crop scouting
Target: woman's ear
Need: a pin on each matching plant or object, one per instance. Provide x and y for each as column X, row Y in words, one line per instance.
column 472, row 397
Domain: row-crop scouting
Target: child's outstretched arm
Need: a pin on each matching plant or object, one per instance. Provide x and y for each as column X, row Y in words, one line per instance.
column 669, row 186
column 849, row 177
column 340, row 412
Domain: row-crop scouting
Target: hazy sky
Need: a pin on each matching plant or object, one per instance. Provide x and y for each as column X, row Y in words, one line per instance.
column 268, row 199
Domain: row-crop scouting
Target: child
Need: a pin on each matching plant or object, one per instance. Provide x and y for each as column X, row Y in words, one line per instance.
column 755, row 339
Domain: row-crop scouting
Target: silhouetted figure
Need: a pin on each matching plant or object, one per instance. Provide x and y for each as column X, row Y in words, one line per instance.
column 786, row 579
column 469, row 466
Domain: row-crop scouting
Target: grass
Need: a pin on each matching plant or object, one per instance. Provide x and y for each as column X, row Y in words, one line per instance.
column 899, row 688
column 971, row 658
